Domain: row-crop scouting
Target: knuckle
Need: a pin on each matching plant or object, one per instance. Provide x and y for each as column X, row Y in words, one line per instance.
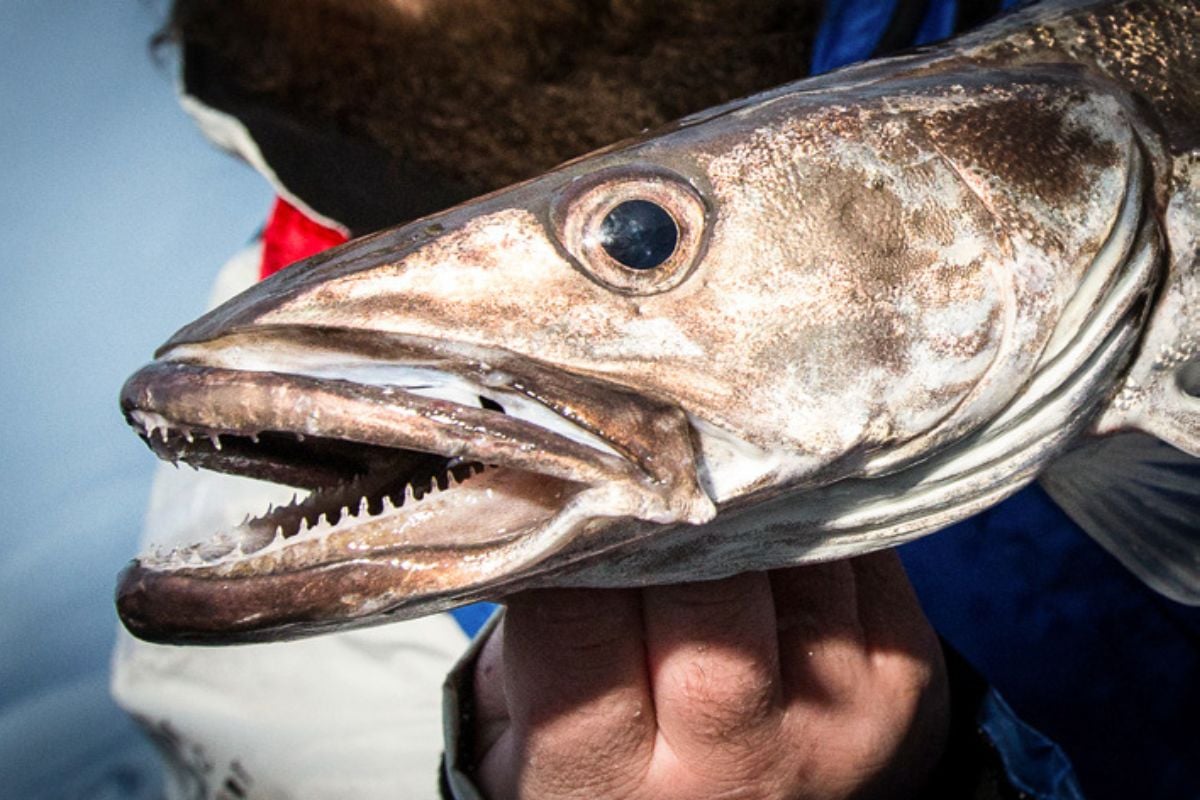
column 723, row 705
column 614, row 742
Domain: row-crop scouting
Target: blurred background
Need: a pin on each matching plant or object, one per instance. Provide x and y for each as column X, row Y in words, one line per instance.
column 115, row 215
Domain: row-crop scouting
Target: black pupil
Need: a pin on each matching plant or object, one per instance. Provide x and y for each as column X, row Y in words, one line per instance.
column 639, row 234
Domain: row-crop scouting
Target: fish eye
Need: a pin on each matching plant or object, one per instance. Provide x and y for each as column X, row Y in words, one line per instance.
column 635, row 230
column 639, row 234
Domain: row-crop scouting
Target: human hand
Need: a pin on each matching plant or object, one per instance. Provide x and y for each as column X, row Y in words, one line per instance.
column 821, row 681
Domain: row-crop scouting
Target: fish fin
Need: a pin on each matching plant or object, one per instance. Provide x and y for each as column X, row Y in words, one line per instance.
column 1135, row 487
column 1161, row 392
column 1139, row 497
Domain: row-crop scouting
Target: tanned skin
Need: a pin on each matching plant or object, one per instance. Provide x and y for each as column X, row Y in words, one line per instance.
column 822, row 681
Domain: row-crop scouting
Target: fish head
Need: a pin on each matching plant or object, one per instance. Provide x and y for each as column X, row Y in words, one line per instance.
column 775, row 296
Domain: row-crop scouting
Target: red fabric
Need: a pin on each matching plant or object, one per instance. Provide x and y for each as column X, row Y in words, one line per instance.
column 290, row 236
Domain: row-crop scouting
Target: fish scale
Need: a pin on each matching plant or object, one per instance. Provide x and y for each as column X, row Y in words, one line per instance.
column 896, row 294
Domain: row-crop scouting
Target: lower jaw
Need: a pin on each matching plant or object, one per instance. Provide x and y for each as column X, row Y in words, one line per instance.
column 462, row 510
column 420, row 558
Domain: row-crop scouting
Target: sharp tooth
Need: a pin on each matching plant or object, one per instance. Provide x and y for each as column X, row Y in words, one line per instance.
column 299, row 437
column 163, row 432
column 215, row 439
column 187, row 434
column 279, row 533
column 408, row 494
column 254, row 438
column 362, row 507
column 388, row 505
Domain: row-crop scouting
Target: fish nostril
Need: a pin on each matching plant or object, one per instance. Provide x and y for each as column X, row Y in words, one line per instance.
column 490, row 404
column 1188, row 377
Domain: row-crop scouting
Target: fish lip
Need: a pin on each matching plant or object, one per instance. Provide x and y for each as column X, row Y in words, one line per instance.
column 218, row 401
column 217, row 603
column 181, row 608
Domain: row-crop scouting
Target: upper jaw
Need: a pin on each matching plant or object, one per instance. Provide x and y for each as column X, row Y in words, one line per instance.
column 345, row 414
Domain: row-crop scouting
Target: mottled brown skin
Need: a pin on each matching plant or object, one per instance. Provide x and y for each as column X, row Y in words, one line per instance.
column 874, row 307
column 1152, row 48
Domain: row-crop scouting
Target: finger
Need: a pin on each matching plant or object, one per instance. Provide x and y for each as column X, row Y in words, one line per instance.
column 491, row 704
column 577, row 690
column 714, row 669
column 906, row 665
column 864, row 709
column 494, row 746
column 821, row 640
column 890, row 613
column 905, row 654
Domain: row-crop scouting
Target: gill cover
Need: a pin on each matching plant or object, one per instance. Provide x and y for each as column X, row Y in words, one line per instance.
column 1136, row 487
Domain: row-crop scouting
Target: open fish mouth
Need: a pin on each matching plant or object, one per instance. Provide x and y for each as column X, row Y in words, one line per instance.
column 430, row 476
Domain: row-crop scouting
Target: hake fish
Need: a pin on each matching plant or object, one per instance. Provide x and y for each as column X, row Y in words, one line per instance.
column 816, row 322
